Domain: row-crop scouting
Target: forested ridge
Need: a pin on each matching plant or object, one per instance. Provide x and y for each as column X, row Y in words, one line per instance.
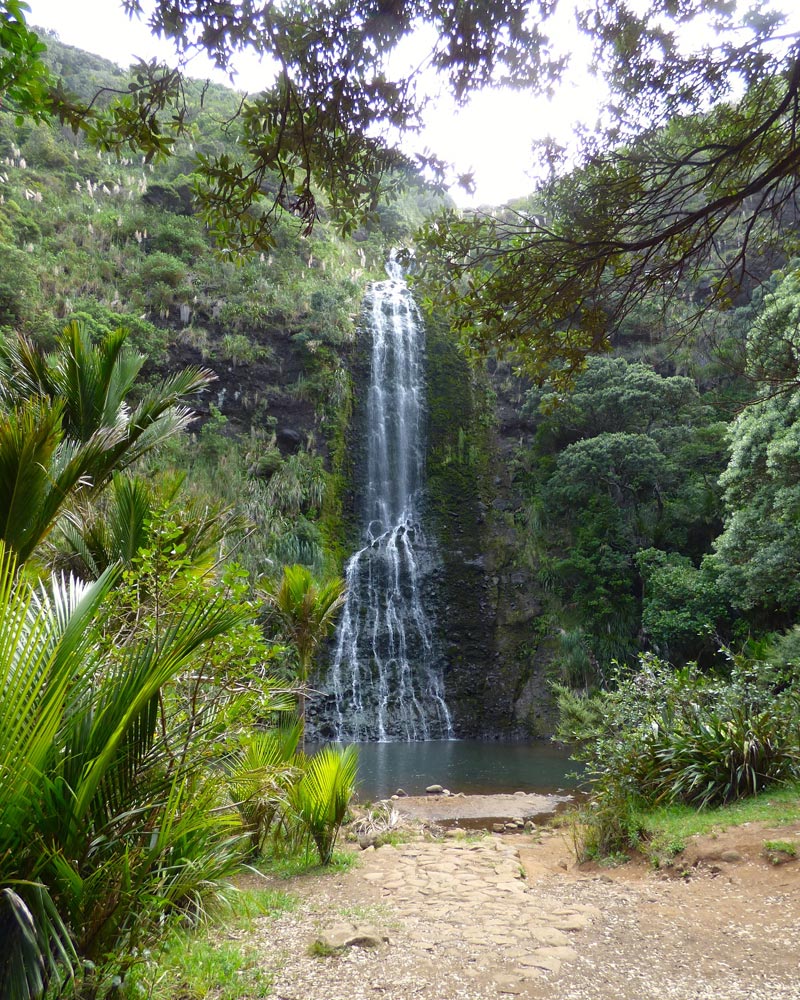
column 107, row 243
column 178, row 452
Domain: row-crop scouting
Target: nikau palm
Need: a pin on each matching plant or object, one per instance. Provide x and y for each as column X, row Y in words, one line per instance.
column 322, row 796
column 116, row 526
column 307, row 612
column 93, row 383
column 104, row 830
column 66, row 428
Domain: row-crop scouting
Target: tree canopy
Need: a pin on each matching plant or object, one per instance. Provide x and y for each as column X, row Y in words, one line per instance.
column 23, row 77
column 692, row 168
column 645, row 205
column 758, row 553
column 331, row 108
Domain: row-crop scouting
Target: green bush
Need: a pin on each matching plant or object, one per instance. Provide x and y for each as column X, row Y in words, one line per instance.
column 240, row 350
column 665, row 736
column 18, row 292
column 111, row 828
column 287, row 799
column 259, row 777
column 682, row 606
column 163, row 268
column 608, row 826
column 713, row 757
column 99, row 321
column 180, row 237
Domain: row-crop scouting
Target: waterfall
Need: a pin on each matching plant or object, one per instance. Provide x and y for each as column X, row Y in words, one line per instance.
column 386, row 677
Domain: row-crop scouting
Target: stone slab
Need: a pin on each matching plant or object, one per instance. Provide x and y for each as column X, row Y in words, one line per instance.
column 489, row 808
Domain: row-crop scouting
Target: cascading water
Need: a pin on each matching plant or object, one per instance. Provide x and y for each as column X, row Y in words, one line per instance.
column 386, row 678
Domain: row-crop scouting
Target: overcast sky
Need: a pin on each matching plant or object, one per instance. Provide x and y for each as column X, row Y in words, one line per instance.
column 492, row 136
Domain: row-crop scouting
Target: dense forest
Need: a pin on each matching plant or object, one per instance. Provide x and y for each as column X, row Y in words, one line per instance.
column 611, row 472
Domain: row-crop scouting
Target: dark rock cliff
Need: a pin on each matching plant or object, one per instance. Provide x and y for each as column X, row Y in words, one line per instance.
column 488, row 609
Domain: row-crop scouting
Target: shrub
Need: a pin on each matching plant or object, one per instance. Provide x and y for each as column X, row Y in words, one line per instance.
column 259, row 778
column 179, row 237
column 99, row 321
column 715, row 756
column 110, row 827
column 680, row 736
column 607, row 826
column 240, row 350
column 287, row 798
column 162, row 267
column 18, row 292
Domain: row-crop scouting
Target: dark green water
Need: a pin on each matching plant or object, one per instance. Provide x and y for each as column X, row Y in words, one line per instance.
column 469, row 766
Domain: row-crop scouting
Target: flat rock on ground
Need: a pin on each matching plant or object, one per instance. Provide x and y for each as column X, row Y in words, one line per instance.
column 450, row 808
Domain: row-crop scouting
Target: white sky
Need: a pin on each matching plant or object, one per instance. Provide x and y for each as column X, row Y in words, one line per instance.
column 492, row 136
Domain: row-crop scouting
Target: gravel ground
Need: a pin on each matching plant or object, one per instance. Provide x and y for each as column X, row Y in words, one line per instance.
column 705, row 930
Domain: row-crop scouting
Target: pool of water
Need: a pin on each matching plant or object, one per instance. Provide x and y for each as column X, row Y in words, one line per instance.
column 469, row 766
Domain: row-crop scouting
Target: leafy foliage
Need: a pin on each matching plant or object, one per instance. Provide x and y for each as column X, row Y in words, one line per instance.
column 65, row 426
column 24, row 78
column 259, row 777
column 681, row 604
column 626, row 463
column 757, row 552
column 682, row 179
column 306, row 612
column 126, row 833
column 322, row 796
column 663, row 735
column 122, row 522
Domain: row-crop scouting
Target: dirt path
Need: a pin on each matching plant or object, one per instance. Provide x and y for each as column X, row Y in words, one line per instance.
column 509, row 916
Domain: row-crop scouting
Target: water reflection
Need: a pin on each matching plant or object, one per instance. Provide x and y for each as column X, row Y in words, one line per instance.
column 470, row 766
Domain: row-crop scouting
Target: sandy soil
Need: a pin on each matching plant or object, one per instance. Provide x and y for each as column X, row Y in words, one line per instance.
column 722, row 921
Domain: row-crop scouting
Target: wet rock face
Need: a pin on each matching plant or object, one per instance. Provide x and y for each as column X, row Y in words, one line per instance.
column 288, row 440
column 485, row 601
column 484, row 606
column 385, row 676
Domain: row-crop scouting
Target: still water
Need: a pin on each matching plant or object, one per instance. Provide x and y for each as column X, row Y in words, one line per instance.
column 470, row 766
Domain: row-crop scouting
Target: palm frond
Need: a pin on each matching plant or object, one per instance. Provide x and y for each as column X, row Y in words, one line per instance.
column 306, row 609
column 132, row 684
column 35, row 946
column 29, row 437
column 93, row 380
column 322, row 796
column 27, row 369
